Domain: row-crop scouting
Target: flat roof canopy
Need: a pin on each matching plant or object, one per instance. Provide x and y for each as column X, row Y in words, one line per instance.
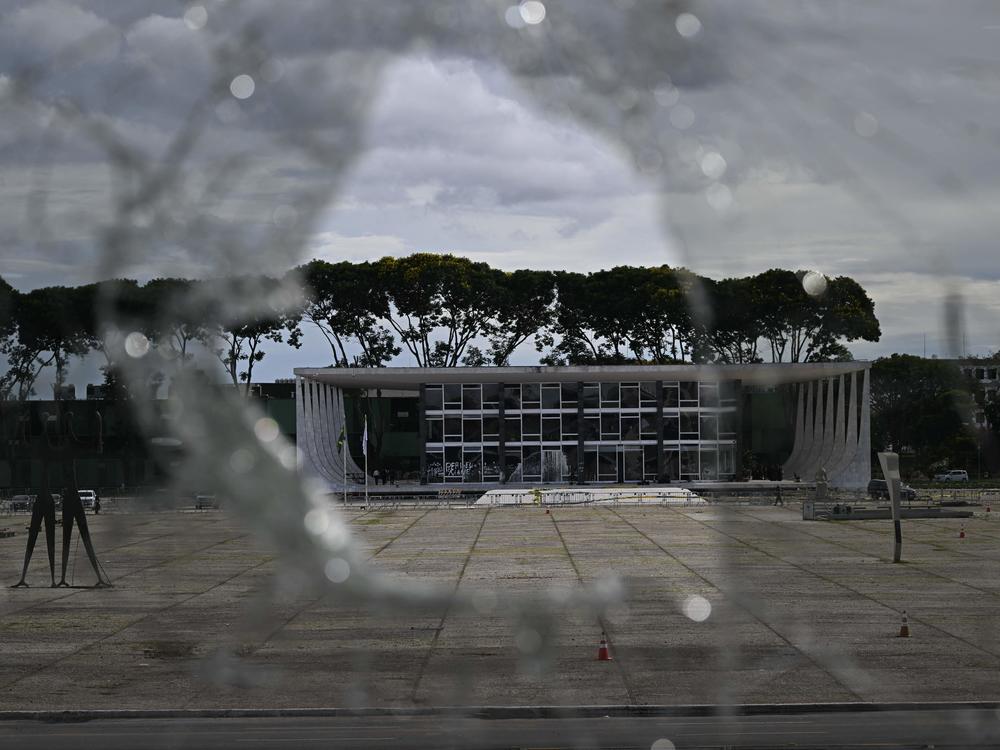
column 410, row 378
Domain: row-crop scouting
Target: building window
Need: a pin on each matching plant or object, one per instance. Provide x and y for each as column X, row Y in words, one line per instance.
column 435, row 430
column 630, row 395
column 512, row 397
column 610, row 426
column 491, row 396
column 531, row 427
column 610, row 394
column 531, row 394
column 570, row 426
column 688, row 394
column 453, row 396
column 453, row 429
column 647, row 394
column 671, row 396
column 512, row 429
column 472, row 431
column 689, row 425
column 550, row 396
column 433, row 399
column 551, row 429
column 630, row 427
column 671, row 428
column 472, row 398
column 569, row 395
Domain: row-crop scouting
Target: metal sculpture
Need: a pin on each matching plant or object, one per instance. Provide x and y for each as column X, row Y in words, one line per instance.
column 73, row 511
column 44, row 509
column 59, row 443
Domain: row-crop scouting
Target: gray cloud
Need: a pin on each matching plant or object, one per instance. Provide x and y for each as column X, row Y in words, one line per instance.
column 857, row 139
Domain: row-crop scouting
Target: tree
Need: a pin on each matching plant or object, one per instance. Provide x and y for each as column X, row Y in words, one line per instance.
column 440, row 304
column 244, row 330
column 8, row 337
column 666, row 331
column 625, row 314
column 522, row 308
column 174, row 316
column 734, row 331
column 921, row 404
column 811, row 328
column 50, row 330
column 346, row 301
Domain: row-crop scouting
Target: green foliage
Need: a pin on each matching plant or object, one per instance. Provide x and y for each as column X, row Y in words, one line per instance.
column 923, row 405
column 346, row 301
column 445, row 311
column 441, row 304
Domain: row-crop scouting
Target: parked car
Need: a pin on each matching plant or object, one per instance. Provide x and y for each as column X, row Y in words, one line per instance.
column 21, row 503
column 954, row 475
column 205, row 500
column 878, row 489
column 87, row 498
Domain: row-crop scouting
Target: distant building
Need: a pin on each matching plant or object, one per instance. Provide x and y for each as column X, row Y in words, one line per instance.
column 987, row 375
column 608, row 424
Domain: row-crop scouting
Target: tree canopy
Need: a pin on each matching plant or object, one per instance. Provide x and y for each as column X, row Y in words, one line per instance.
column 443, row 311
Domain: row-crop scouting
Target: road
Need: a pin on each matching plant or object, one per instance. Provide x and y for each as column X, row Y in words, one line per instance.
column 966, row 728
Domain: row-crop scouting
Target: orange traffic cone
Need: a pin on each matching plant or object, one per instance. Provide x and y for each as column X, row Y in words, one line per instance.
column 904, row 629
column 602, row 651
column 961, row 534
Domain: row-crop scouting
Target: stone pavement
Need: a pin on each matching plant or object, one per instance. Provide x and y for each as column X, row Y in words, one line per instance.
column 723, row 604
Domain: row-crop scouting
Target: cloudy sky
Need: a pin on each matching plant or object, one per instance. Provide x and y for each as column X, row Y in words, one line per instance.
column 150, row 138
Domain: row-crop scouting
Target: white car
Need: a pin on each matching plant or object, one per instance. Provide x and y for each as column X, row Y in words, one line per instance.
column 955, row 475
column 87, row 498
column 205, row 500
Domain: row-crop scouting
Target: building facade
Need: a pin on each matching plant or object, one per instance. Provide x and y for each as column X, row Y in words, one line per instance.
column 613, row 424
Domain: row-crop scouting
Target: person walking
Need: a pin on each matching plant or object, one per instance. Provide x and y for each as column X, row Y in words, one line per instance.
column 375, row 476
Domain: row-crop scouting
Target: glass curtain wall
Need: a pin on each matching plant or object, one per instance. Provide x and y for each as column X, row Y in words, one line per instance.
column 534, row 432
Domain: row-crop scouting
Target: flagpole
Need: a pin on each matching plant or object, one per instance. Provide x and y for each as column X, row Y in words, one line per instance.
column 343, row 455
column 365, row 449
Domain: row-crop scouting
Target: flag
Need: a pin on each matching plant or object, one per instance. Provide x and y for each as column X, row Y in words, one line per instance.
column 364, row 439
column 342, row 438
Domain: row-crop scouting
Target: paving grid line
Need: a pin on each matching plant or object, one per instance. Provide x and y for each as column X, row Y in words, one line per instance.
column 312, row 602
column 128, row 625
column 743, row 607
column 601, row 620
column 909, row 565
column 854, row 524
column 447, row 610
column 835, row 582
column 979, row 532
column 82, row 589
column 76, row 590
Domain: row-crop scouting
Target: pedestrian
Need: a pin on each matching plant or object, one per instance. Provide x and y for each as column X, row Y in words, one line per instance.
column 391, row 477
column 375, row 476
column 97, row 506
column 778, row 499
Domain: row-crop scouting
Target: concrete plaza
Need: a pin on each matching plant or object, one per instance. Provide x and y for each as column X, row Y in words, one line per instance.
column 800, row 612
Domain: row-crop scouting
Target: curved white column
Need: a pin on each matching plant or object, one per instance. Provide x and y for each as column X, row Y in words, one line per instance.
column 306, row 433
column 837, row 460
column 828, row 446
column 807, row 469
column 320, row 416
column 791, row 463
